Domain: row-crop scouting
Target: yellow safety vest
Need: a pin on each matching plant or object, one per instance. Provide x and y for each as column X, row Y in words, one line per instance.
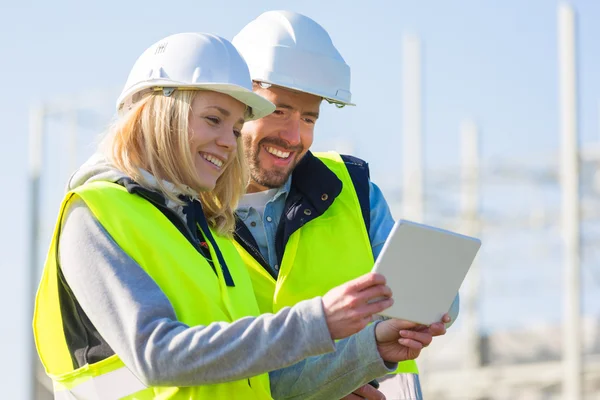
column 197, row 294
column 324, row 253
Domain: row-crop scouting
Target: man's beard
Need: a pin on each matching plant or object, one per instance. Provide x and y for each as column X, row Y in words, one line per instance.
column 269, row 178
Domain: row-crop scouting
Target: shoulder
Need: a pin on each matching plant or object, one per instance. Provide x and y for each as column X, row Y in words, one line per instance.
column 357, row 167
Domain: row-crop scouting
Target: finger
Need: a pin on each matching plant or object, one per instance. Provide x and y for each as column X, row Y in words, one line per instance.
column 375, row 293
column 437, row 329
column 423, row 337
column 369, row 392
column 420, row 328
column 399, row 324
column 374, row 308
column 365, row 281
column 410, row 343
column 352, row 396
column 446, row 319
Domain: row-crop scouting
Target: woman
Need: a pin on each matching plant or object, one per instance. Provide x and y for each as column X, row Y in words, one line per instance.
column 143, row 295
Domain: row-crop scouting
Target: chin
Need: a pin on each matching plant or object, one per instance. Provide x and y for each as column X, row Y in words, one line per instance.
column 207, row 186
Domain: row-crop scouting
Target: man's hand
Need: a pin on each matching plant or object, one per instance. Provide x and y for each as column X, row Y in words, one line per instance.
column 350, row 307
column 399, row 340
column 365, row 392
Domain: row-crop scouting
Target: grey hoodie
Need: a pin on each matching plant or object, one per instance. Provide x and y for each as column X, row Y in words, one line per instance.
column 137, row 321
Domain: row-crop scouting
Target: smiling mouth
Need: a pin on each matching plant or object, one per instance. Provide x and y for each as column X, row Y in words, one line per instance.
column 277, row 153
column 212, row 159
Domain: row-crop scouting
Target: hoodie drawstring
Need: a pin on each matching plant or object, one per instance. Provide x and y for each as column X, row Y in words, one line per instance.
column 195, row 216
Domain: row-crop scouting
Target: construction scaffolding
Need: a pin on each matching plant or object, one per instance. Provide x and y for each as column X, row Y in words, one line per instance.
column 554, row 225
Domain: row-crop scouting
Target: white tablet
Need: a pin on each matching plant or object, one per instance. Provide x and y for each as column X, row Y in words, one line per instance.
column 424, row 266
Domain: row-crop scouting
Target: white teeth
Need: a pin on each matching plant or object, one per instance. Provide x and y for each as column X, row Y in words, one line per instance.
column 212, row 159
column 278, row 153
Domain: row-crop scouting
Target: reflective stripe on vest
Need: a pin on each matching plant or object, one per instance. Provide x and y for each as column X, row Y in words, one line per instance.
column 149, row 238
column 110, row 386
column 324, row 253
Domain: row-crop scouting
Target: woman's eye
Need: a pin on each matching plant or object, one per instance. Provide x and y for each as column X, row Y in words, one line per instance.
column 213, row 120
column 237, row 133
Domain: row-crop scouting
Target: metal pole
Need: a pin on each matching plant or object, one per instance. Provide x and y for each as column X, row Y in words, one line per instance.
column 412, row 148
column 596, row 159
column 569, row 180
column 470, row 219
column 36, row 137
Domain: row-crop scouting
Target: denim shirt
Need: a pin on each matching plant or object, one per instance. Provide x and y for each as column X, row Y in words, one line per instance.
column 264, row 230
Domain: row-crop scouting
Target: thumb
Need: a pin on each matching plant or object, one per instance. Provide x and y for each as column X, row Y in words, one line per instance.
column 402, row 324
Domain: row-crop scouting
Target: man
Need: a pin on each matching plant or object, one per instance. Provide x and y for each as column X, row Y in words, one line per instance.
column 308, row 222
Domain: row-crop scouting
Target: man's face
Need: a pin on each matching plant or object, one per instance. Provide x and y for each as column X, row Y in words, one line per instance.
column 273, row 145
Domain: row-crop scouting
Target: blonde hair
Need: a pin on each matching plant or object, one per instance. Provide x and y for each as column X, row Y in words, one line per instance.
column 154, row 135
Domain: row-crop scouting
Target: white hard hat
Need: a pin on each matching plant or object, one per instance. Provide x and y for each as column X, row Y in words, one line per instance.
column 288, row 49
column 193, row 61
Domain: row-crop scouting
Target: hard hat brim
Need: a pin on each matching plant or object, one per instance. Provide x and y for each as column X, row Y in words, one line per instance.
column 260, row 106
column 324, row 96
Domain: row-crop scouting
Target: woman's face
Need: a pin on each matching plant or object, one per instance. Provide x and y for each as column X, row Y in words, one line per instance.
column 215, row 122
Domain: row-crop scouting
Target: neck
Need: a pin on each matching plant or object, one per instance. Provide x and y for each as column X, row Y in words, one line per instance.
column 254, row 187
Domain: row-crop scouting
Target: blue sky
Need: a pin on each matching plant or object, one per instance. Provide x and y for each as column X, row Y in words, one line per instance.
column 492, row 61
